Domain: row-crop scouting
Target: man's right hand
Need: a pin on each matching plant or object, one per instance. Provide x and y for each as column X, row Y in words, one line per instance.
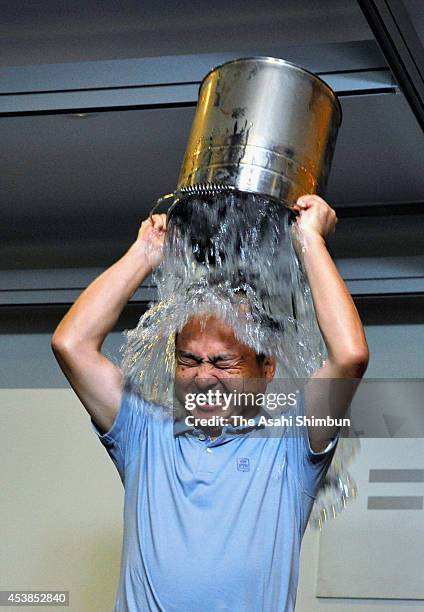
column 151, row 236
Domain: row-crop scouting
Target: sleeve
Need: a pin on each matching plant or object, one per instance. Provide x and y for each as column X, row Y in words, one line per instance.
column 310, row 466
column 122, row 441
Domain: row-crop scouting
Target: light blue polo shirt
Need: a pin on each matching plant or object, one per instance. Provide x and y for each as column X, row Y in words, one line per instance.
column 210, row 526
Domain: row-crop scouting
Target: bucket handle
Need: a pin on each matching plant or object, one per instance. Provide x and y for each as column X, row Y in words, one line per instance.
column 198, row 189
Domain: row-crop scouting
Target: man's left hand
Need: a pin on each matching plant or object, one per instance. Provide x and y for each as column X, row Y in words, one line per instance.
column 315, row 216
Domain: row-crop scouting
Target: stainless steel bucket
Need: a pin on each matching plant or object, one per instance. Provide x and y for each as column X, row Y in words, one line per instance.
column 262, row 125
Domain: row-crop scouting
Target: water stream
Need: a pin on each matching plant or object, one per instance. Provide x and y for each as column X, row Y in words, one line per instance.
column 231, row 254
column 222, row 252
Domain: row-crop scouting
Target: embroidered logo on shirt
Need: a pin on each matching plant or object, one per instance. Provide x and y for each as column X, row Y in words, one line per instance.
column 243, row 464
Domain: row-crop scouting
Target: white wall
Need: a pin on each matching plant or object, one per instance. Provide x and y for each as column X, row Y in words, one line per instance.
column 396, row 351
column 61, row 509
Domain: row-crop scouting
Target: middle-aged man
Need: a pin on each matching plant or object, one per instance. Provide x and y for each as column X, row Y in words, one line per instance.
column 213, row 517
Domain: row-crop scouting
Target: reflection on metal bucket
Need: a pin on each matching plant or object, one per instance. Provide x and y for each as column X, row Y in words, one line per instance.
column 264, row 126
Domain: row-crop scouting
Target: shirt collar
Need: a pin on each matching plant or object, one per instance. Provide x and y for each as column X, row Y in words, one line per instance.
column 180, row 426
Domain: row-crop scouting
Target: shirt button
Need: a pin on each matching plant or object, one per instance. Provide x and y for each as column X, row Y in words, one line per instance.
column 202, row 436
column 209, row 450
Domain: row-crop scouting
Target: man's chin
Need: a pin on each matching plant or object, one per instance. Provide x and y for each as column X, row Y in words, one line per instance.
column 207, row 411
column 210, row 411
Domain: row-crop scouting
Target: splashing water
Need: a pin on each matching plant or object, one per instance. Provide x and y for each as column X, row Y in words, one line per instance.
column 231, row 255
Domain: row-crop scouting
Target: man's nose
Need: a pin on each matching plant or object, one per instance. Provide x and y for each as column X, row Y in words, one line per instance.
column 204, row 380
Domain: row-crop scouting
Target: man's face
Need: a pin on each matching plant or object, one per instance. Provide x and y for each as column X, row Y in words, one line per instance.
column 211, row 358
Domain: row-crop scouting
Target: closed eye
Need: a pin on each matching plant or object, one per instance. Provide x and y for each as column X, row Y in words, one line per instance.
column 223, row 363
column 189, row 360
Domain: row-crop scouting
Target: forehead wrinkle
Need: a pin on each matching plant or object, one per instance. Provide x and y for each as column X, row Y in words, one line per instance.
column 221, row 341
column 219, row 333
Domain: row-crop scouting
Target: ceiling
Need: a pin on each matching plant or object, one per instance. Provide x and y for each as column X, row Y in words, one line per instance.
column 74, row 189
column 415, row 10
column 85, row 30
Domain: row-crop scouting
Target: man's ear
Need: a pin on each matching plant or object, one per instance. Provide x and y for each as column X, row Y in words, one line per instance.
column 269, row 366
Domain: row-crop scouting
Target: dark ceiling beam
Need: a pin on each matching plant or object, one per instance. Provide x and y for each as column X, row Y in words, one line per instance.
column 168, row 82
column 401, row 46
column 165, row 96
column 363, row 276
column 168, row 70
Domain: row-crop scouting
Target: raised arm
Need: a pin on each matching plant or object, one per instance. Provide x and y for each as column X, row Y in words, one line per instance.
column 77, row 341
column 331, row 388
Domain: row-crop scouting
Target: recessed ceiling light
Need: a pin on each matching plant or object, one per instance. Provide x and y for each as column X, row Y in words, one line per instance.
column 83, row 115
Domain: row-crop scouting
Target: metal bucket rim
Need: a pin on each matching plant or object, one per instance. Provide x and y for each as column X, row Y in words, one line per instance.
column 177, row 199
column 279, row 60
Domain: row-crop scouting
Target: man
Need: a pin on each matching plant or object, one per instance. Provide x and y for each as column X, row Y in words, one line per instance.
column 214, row 516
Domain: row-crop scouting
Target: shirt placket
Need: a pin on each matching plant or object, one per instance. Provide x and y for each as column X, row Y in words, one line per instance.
column 209, row 457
